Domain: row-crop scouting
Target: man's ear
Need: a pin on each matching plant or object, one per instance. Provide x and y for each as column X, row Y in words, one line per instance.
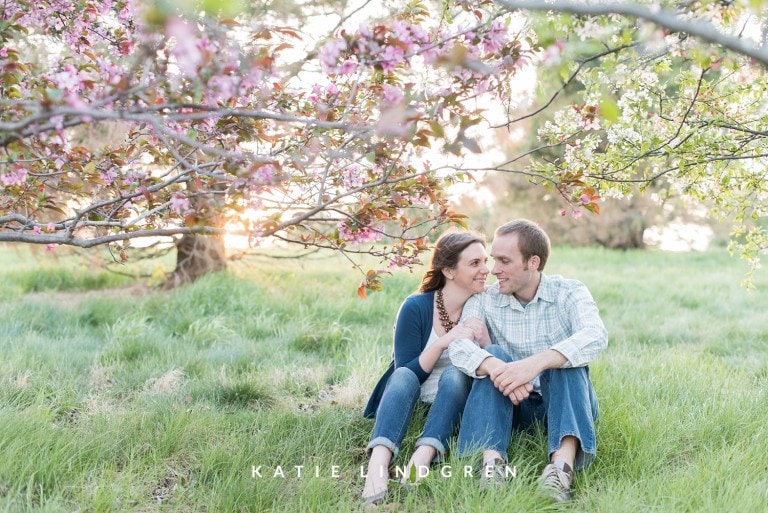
column 534, row 262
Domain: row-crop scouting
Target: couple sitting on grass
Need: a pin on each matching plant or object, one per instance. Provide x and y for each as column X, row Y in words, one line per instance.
column 501, row 358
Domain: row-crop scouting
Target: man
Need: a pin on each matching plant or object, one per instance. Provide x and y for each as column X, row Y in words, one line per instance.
column 544, row 331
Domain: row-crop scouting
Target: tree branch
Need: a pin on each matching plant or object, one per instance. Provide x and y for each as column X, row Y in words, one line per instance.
column 661, row 17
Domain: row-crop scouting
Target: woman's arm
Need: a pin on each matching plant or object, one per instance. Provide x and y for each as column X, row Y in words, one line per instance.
column 432, row 352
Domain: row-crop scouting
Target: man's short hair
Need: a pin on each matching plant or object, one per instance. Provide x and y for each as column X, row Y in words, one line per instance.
column 530, row 237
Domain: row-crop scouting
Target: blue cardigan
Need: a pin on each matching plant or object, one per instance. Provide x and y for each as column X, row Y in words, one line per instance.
column 412, row 330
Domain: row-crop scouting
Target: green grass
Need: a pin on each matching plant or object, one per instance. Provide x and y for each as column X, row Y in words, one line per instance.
column 118, row 400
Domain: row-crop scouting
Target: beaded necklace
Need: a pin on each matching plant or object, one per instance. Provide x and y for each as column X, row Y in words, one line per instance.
column 445, row 320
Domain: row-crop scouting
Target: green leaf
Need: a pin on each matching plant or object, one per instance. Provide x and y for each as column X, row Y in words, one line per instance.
column 609, row 110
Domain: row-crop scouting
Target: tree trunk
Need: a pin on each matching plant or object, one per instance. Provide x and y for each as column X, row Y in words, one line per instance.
column 197, row 255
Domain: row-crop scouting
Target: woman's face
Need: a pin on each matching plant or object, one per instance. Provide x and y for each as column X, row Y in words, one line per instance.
column 472, row 269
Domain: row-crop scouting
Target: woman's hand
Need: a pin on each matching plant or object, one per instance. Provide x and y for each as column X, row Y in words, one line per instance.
column 459, row 331
column 462, row 331
column 479, row 331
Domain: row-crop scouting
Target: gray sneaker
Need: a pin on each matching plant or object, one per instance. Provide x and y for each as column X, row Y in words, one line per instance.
column 555, row 483
column 494, row 474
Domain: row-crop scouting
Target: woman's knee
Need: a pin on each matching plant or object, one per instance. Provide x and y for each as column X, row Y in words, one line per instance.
column 403, row 379
column 455, row 380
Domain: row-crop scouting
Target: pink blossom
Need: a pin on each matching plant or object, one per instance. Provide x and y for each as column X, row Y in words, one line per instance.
column 3, row 52
column 400, row 30
column 592, row 124
column 352, row 177
column 496, row 37
column 332, row 89
column 16, row 177
column 205, row 44
column 37, row 230
column 128, row 12
column 330, row 52
column 264, row 174
column 364, row 31
column 391, row 57
column 407, row 35
column 70, row 78
column 394, row 121
column 347, row 67
column 109, row 72
column 108, row 176
column 51, row 247
column 392, row 94
column 221, row 88
column 431, row 53
column 252, row 79
column 576, row 214
column 50, row 228
column 553, row 54
column 132, row 178
column 314, row 95
column 419, row 34
column 402, row 261
column 185, row 49
column 563, row 213
column 584, row 198
column 358, row 234
column 76, row 102
column 180, row 204
column 58, row 123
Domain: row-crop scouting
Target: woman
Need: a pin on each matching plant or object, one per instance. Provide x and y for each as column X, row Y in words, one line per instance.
column 426, row 325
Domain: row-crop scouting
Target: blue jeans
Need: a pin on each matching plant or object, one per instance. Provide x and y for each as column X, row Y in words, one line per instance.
column 567, row 404
column 400, row 395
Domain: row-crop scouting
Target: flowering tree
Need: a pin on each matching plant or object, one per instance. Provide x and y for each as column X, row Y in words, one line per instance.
column 226, row 127
column 670, row 93
column 244, row 125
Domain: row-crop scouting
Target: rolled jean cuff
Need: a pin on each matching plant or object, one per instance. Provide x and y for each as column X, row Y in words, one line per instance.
column 432, row 442
column 584, row 455
column 386, row 442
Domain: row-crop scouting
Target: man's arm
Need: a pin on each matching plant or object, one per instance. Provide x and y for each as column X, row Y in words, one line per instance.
column 513, row 379
column 588, row 336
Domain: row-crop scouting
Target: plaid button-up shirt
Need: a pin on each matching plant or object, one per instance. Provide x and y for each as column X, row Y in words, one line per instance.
column 561, row 316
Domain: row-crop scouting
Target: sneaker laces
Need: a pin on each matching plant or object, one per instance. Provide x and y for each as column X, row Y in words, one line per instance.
column 556, row 479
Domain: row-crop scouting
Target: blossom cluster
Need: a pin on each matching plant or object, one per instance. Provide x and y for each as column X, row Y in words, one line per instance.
column 355, row 233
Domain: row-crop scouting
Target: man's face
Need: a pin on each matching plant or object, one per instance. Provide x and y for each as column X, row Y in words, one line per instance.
column 515, row 276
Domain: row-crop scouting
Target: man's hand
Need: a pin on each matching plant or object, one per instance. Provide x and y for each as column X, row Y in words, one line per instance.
column 513, row 379
column 520, row 394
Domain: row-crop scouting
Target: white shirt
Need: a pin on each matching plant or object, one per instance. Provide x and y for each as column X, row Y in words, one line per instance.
column 429, row 387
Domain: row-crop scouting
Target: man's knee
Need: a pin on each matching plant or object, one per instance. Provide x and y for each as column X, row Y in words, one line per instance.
column 498, row 352
column 571, row 375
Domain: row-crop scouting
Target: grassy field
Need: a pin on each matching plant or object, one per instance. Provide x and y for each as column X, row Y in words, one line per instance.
column 118, row 397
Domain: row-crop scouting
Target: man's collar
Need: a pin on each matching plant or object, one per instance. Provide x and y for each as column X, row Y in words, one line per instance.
column 545, row 292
